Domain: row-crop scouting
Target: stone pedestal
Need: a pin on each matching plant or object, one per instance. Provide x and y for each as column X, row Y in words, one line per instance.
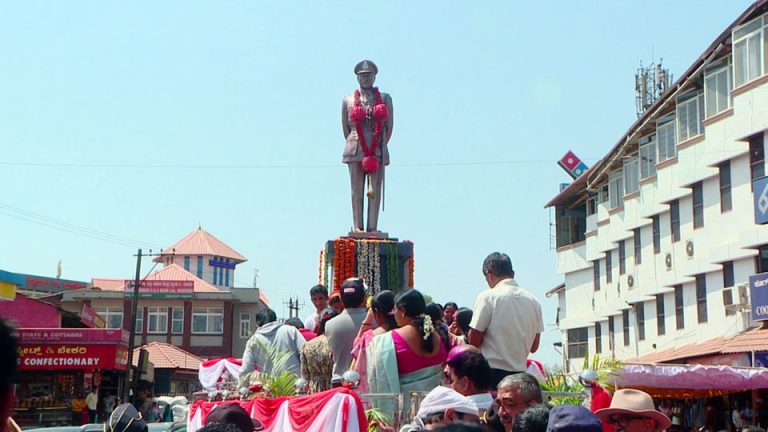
column 383, row 263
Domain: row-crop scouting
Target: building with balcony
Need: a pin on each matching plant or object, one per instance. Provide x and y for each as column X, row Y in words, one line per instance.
column 658, row 240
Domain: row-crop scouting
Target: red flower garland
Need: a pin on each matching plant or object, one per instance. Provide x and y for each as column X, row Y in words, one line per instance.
column 370, row 162
column 343, row 261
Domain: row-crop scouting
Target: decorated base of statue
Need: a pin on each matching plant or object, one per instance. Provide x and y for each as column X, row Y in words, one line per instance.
column 383, row 263
column 339, row 409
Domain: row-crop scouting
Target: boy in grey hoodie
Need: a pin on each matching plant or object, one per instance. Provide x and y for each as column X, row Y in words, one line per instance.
column 272, row 335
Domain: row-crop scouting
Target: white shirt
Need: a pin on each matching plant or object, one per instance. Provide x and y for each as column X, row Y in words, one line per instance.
column 483, row 401
column 92, row 400
column 511, row 318
column 311, row 321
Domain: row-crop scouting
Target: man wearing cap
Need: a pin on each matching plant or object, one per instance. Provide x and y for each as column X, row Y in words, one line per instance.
column 366, row 112
column 506, row 321
column 343, row 328
column 633, row 411
column 573, row 418
column 443, row 406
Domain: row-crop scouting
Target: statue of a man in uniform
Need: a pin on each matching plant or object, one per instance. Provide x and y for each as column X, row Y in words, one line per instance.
column 366, row 119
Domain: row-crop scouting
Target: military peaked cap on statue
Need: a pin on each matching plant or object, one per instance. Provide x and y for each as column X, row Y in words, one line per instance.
column 366, row 66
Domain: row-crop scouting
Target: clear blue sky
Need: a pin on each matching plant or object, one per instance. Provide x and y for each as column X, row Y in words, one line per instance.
column 143, row 119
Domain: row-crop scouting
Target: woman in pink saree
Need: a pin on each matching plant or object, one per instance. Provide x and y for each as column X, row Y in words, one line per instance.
column 381, row 310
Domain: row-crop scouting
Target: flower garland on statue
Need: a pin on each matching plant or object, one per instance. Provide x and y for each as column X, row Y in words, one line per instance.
column 343, row 261
column 411, row 265
column 358, row 114
column 321, row 273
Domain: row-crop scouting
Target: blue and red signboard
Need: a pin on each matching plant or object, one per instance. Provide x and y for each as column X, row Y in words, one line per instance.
column 572, row 165
column 758, row 287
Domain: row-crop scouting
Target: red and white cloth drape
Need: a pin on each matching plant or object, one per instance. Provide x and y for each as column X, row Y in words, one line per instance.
column 339, row 409
column 210, row 370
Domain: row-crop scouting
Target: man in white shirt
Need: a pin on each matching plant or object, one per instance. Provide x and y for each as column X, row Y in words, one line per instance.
column 506, row 321
column 92, row 400
column 319, row 296
column 467, row 372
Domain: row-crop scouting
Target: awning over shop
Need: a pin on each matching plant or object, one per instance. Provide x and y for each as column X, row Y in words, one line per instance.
column 690, row 380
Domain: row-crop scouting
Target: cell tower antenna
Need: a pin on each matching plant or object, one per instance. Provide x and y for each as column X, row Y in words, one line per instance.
column 650, row 84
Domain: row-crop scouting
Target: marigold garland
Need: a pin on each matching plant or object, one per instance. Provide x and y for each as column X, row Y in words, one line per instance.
column 411, row 266
column 358, row 114
column 343, row 261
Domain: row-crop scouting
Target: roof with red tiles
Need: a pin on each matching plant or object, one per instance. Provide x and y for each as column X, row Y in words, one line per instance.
column 752, row 340
column 172, row 272
column 167, row 356
column 201, row 242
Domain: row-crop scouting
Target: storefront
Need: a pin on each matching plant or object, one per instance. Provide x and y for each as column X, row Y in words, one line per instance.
column 57, row 364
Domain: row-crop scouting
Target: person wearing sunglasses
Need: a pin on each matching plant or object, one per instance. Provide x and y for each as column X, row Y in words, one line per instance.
column 633, row 411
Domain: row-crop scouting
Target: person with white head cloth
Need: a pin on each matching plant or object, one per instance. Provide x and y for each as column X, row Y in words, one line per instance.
column 443, row 406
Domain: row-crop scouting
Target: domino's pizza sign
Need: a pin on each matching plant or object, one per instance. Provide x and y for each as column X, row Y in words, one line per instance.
column 760, row 191
column 572, row 165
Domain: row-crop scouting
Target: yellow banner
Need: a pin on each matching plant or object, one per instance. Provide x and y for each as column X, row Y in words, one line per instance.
column 7, row 291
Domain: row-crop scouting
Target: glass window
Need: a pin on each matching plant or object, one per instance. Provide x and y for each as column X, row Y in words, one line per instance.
column 157, row 319
column 616, row 189
column 661, row 327
column 747, row 47
column 186, row 263
column 679, row 308
column 577, row 342
column 611, row 333
column 726, row 203
column 666, row 141
column 622, row 257
column 226, row 276
column 728, row 278
column 598, row 338
column 690, row 116
column 208, row 320
column 656, row 234
column 640, row 312
column 625, row 327
column 245, row 325
column 603, row 195
column 698, row 205
column 596, row 274
column 215, row 275
column 717, row 88
column 608, row 267
column 113, row 315
column 674, row 220
column 701, row 298
column 638, row 246
column 631, row 175
column 648, row 158
column 756, row 156
column 177, row 324
column 139, row 319
column 200, row 267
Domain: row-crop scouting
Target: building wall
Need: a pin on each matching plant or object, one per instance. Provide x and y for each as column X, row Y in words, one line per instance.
column 730, row 236
column 208, row 270
column 27, row 312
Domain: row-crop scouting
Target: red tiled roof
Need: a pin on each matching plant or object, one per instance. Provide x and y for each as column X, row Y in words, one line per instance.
column 167, row 356
column 201, row 242
column 752, row 340
column 173, row 272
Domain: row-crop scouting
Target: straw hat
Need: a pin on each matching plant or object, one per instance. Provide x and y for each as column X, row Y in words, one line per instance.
column 633, row 402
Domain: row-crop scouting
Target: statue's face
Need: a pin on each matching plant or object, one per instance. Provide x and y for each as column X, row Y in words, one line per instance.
column 366, row 79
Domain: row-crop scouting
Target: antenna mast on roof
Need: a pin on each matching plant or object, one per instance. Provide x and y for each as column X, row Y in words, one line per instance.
column 650, row 83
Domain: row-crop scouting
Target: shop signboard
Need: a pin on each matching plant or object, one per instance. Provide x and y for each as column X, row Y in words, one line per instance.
column 57, row 335
column 758, row 287
column 90, row 318
column 83, row 356
column 760, row 194
column 162, row 289
column 731, row 359
column 40, row 283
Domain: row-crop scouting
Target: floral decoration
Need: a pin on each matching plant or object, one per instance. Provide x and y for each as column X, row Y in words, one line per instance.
column 358, row 114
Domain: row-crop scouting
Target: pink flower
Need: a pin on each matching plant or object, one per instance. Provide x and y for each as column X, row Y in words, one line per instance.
column 380, row 111
column 370, row 164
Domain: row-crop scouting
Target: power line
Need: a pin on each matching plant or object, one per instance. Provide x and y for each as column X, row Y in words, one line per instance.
column 36, row 218
column 268, row 166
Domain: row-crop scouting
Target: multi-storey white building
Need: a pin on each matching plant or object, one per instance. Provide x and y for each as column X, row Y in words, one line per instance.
column 657, row 241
